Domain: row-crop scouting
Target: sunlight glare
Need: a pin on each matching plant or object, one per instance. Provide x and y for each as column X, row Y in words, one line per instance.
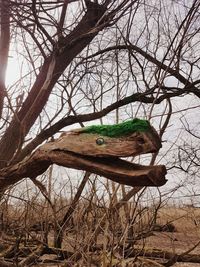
column 13, row 71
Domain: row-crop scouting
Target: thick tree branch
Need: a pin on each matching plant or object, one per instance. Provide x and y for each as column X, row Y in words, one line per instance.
column 52, row 68
column 63, row 152
column 70, row 120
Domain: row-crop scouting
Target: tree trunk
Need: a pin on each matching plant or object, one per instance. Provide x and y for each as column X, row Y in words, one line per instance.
column 53, row 67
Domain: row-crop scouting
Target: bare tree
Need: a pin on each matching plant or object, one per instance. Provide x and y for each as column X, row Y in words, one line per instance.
column 105, row 60
column 59, row 58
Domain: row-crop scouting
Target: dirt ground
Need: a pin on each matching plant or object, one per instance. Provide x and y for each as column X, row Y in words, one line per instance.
column 187, row 236
column 176, row 243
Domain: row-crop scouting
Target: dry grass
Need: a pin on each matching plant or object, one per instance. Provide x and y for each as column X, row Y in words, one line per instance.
column 109, row 230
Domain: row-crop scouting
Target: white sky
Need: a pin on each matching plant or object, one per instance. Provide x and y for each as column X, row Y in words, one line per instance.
column 13, row 71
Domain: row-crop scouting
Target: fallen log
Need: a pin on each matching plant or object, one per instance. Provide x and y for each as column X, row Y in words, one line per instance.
column 166, row 257
column 33, row 257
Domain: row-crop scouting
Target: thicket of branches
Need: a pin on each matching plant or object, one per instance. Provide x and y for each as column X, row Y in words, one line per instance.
column 95, row 62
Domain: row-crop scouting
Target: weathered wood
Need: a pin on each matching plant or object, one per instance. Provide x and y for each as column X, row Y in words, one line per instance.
column 82, row 143
column 81, row 151
column 113, row 168
column 96, row 152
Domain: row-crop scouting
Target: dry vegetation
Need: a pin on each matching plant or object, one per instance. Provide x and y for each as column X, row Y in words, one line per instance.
column 98, row 232
column 87, row 62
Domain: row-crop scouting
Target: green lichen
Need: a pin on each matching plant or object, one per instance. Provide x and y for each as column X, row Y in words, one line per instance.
column 121, row 129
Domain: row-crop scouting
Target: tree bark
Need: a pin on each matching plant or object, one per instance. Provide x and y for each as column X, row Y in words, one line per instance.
column 113, row 168
column 53, row 66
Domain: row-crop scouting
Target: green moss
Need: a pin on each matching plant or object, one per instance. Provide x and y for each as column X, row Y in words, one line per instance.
column 121, row 129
